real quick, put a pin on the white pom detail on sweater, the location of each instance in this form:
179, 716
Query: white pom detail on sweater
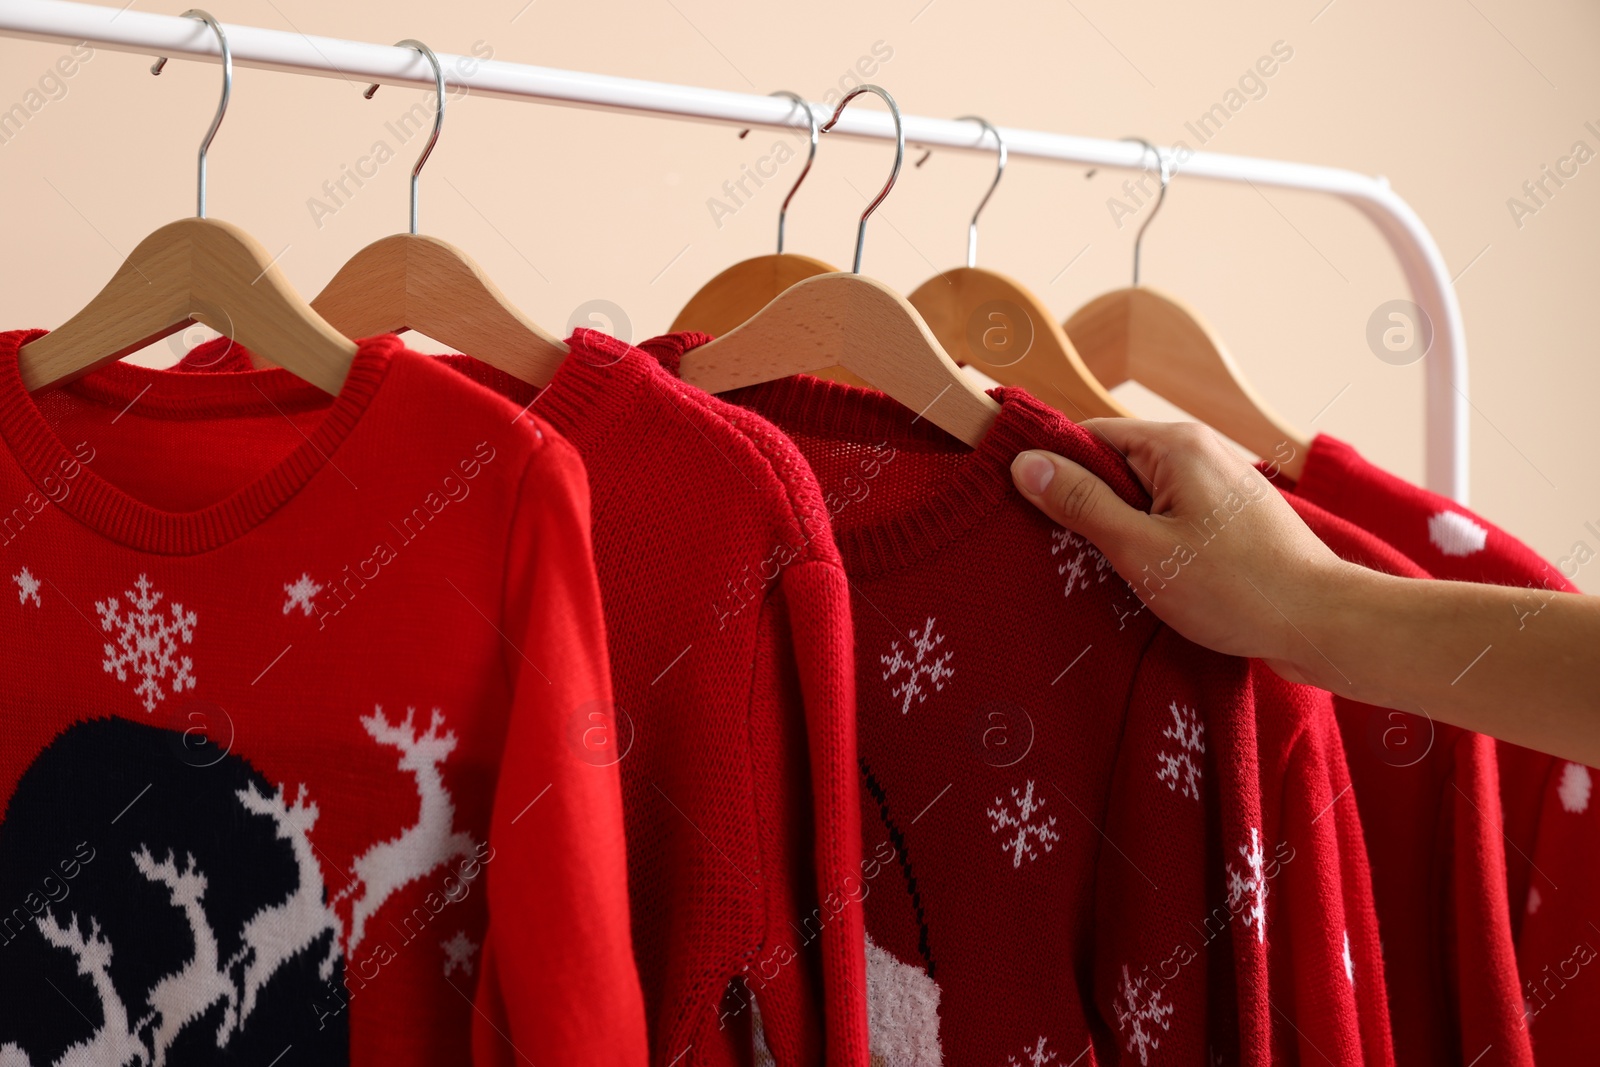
1028, 830
1575, 788
147, 642
1181, 768
1139, 1012
922, 667
1456, 535
902, 1012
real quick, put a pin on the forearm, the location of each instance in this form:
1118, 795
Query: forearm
1519, 664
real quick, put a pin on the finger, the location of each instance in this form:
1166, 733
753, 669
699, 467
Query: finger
1133, 440
1076, 499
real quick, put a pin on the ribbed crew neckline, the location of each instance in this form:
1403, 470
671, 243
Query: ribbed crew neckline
950, 507
115, 514
598, 383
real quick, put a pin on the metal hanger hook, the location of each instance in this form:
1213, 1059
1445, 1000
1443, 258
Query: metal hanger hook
1165, 172
1000, 168
438, 115
899, 156
811, 118
222, 105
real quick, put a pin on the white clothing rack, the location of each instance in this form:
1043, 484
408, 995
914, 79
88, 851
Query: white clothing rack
360, 62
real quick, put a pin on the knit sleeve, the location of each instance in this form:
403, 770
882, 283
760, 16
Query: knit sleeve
1321, 951
809, 978
1179, 879
818, 597
559, 983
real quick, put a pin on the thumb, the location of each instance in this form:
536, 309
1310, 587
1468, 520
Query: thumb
1076, 499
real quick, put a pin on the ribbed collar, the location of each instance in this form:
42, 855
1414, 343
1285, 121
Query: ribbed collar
113, 513
594, 390
948, 509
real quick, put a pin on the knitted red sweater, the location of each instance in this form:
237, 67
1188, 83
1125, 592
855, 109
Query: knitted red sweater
1428, 796
731, 666
287, 764
1551, 830
1062, 797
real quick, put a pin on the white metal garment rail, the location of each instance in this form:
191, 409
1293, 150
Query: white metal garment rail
1425, 271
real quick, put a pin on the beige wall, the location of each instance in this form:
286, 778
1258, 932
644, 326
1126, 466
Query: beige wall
1458, 102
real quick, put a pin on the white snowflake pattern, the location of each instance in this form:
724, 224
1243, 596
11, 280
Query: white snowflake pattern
147, 642
300, 594
1575, 787
27, 587
1139, 1012
458, 953
1080, 557
1190, 733
1039, 1055
920, 668
1027, 830
1250, 883
1349, 964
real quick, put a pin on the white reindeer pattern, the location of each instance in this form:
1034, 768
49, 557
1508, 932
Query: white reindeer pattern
189, 992
114, 1042
430, 842
279, 932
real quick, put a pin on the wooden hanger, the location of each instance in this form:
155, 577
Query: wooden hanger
846, 320
729, 299
992, 323
1144, 335
408, 281
194, 269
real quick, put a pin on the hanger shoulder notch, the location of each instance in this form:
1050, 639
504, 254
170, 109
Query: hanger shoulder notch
196, 269
728, 300
415, 282
859, 324
1148, 336
1000, 327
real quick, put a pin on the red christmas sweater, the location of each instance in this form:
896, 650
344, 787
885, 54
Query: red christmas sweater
1070, 854
1552, 832
287, 767
727, 613
1428, 797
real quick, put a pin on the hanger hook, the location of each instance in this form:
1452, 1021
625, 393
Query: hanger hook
222, 105
1166, 176
899, 155
438, 115
811, 117
1000, 168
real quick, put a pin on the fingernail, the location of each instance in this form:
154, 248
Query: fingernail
1032, 472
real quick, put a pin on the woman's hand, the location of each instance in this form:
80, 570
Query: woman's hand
1226, 562
1221, 557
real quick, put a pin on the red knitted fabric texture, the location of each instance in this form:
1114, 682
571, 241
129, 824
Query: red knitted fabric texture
286, 759
1428, 795
727, 614
1552, 831
1062, 799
